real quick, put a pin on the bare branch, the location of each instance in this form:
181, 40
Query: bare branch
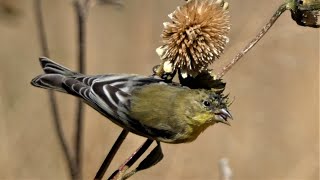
118, 174
104, 166
81, 12
52, 99
263, 31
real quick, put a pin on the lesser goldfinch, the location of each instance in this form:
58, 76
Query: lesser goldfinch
146, 106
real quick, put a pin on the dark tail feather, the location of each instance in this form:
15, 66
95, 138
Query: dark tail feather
49, 81
51, 67
54, 75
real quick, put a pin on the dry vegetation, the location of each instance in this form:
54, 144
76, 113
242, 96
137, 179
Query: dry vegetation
275, 132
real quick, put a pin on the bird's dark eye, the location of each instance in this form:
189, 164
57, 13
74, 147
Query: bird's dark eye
206, 103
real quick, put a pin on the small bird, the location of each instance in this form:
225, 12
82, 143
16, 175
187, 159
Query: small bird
146, 106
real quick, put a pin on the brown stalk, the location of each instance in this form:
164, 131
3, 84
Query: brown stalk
252, 43
131, 160
82, 10
52, 99
81, 14
104, 166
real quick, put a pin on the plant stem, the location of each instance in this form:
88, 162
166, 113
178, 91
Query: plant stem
262, 32
80, 10
52, 99
132, 159
104, 166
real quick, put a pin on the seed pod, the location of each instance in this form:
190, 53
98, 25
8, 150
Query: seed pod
195, 37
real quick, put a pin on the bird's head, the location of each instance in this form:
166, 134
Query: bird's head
209, 107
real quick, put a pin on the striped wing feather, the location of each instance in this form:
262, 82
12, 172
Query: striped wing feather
110, 95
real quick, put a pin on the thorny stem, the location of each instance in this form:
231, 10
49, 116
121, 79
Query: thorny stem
263, 31
104, 166
131, 160
81, 12
52, 99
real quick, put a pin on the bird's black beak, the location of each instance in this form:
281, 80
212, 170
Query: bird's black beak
223, 115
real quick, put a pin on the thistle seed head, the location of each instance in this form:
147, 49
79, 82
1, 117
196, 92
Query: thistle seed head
195, 37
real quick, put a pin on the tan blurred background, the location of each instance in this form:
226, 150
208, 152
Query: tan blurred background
275, 132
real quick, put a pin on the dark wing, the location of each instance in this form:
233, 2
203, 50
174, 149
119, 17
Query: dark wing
110, 95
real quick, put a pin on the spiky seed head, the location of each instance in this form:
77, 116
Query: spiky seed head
195, 37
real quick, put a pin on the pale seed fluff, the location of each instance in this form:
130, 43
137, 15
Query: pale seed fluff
195, 37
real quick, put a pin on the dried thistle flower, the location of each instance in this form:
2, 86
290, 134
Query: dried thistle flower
305, 12
195, 37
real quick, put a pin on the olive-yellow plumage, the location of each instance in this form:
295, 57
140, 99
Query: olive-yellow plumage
146, 106
174, 109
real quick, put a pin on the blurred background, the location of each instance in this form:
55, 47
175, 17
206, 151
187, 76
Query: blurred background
275, 132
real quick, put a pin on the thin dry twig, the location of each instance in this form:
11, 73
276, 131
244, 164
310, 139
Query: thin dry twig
81, 12
131, 160
52, 99
104, 166
153, 158
263, 31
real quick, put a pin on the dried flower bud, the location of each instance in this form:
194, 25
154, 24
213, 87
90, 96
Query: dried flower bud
195, 37
305, 12
204, 80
